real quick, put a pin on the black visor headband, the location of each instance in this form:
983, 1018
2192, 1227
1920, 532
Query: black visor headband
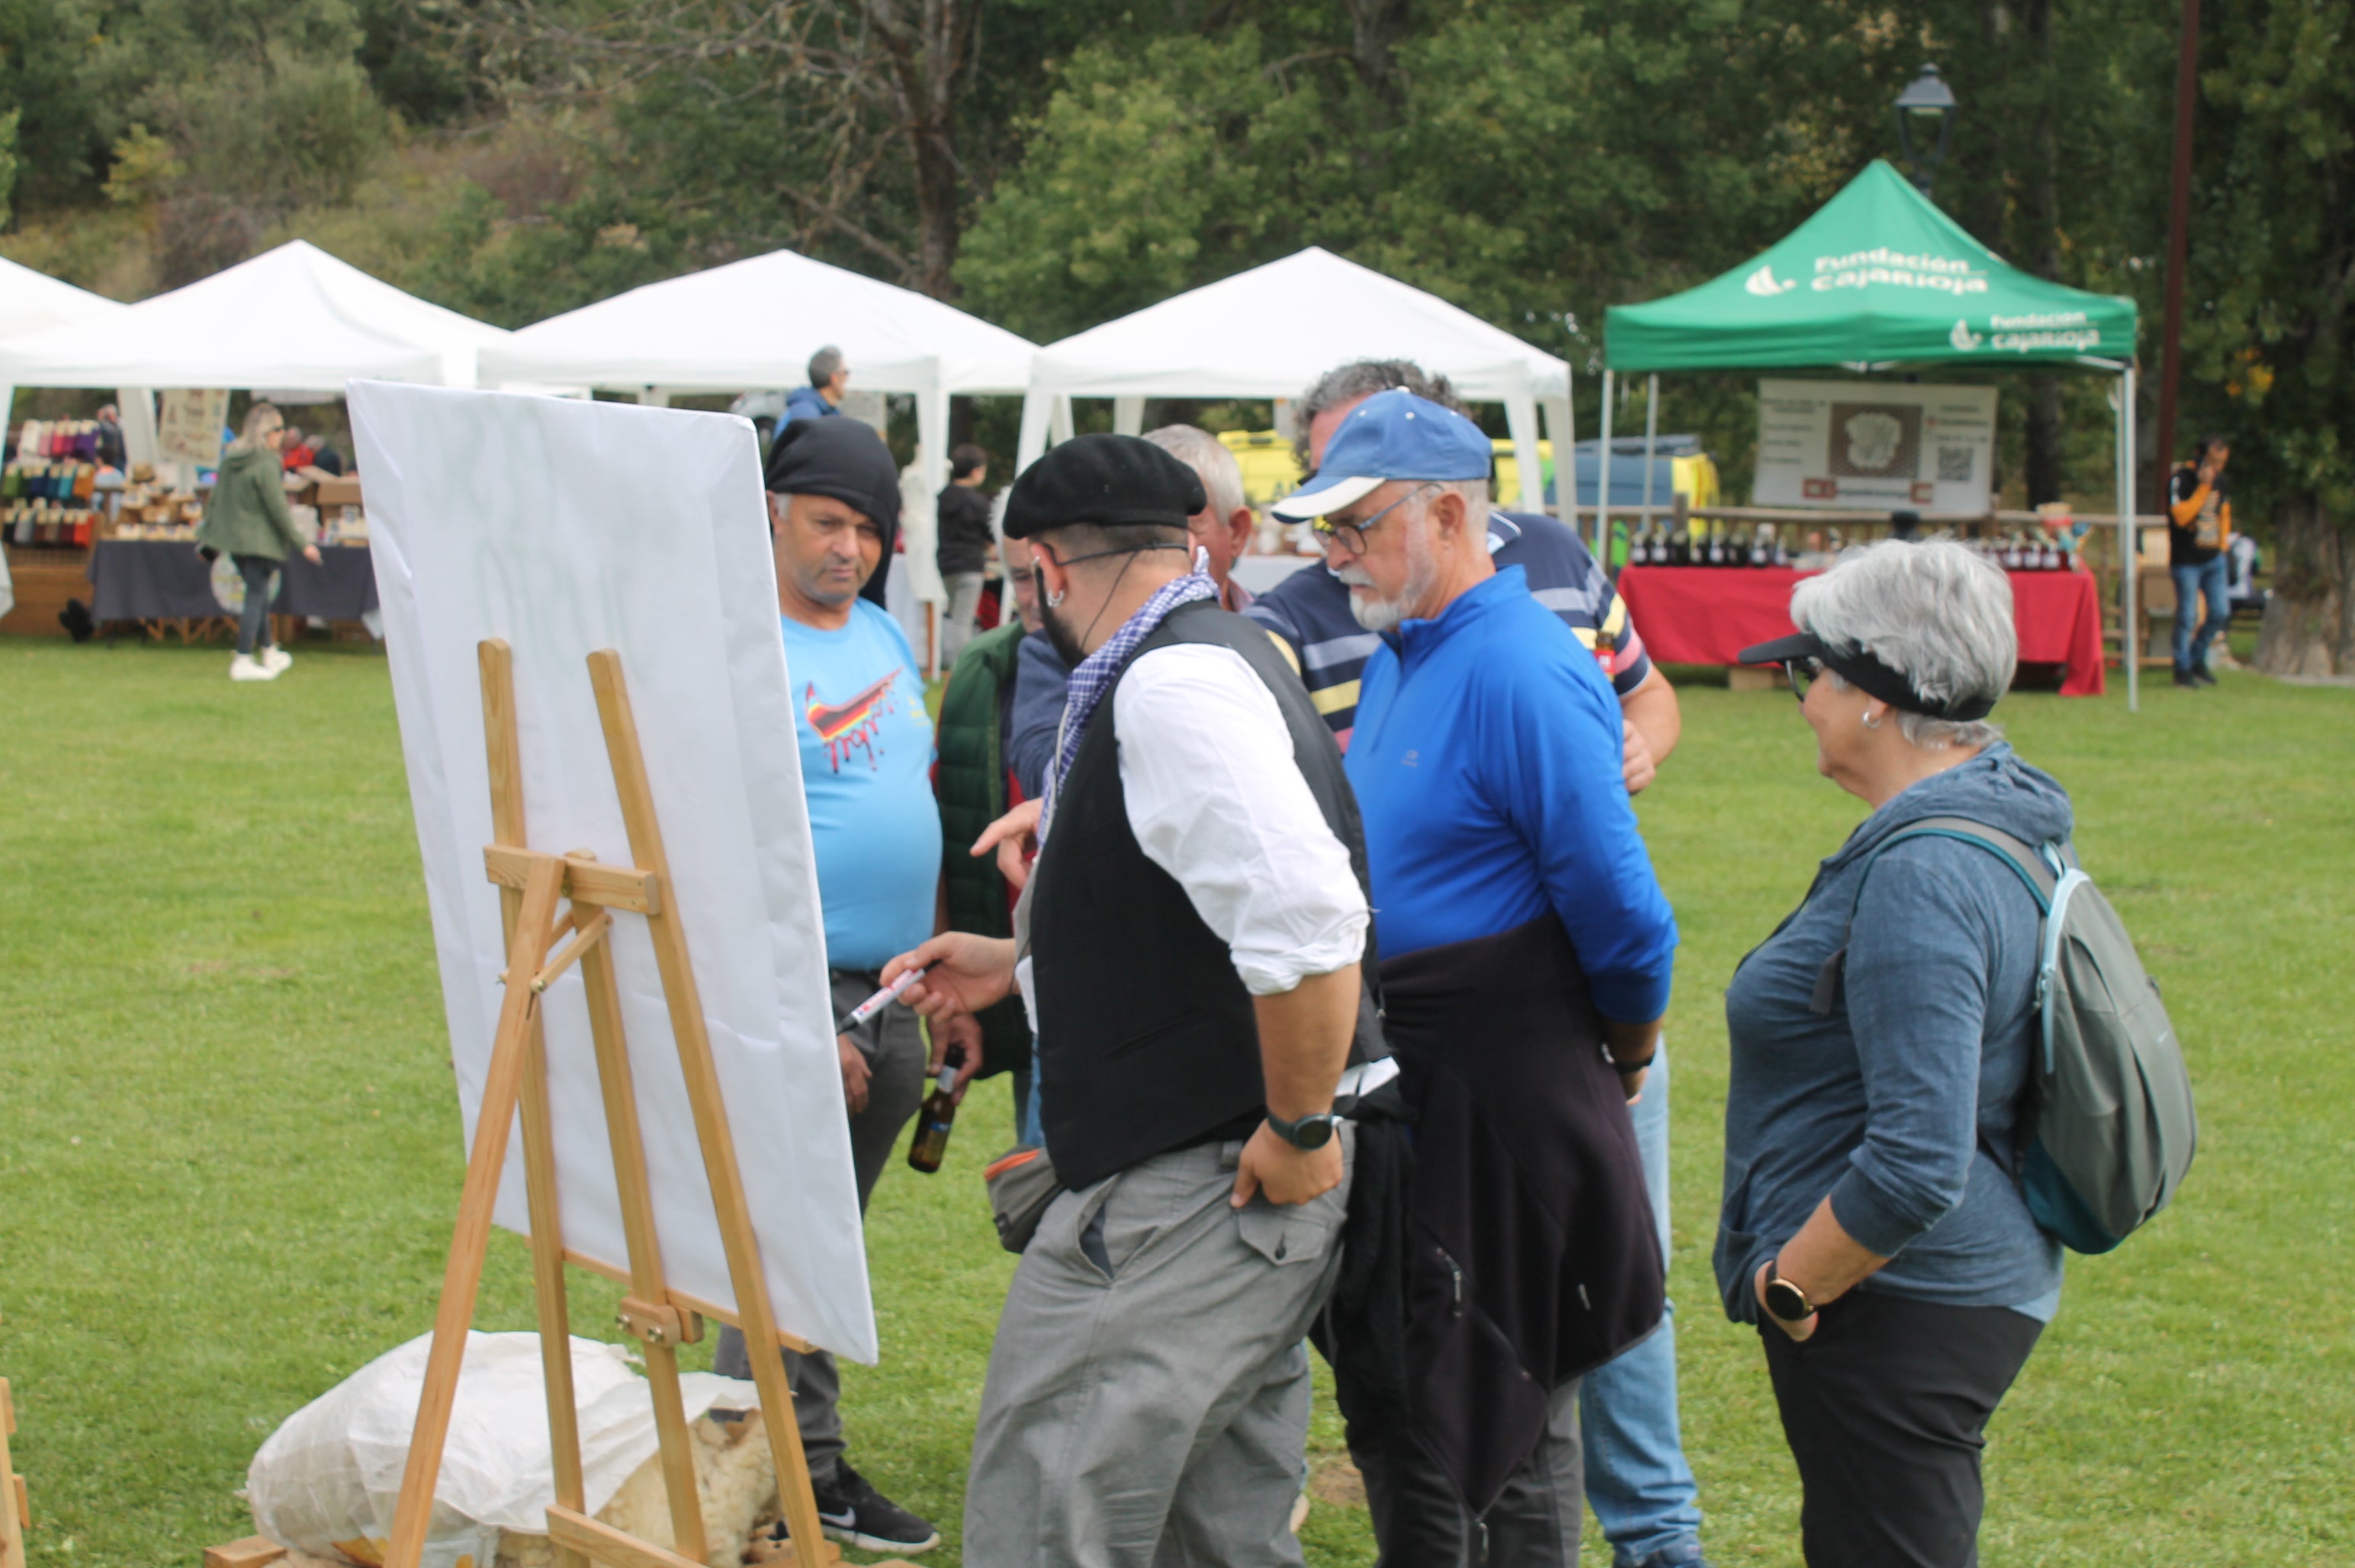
1867, 675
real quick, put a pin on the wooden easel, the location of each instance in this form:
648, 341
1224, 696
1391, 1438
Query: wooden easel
531, 883
16, 1509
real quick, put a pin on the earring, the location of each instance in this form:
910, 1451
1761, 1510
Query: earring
1870, 721
1054, 600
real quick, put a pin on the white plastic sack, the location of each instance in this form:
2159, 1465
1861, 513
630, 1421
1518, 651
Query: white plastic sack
326, 1482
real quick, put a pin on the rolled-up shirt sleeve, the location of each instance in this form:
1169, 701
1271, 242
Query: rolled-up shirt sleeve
1216, 799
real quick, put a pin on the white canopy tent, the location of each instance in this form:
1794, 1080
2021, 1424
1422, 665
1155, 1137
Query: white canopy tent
1269, 332
33, 302
754, 324
294, 318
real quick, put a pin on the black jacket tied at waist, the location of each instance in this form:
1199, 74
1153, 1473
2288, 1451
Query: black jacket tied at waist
1530, 1255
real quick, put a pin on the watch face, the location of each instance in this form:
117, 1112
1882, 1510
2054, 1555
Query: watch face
1309, 1133
1786, 1301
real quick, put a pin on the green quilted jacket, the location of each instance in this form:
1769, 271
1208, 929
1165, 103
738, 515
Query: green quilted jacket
248, 514
972, 786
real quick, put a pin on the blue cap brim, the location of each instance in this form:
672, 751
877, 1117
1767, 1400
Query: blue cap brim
1326, 493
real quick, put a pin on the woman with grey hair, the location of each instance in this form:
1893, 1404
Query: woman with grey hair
1880, 1046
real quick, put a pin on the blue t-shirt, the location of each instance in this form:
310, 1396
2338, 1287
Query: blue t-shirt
1486, 766
867, 761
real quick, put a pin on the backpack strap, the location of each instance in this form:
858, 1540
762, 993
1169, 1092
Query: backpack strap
2038, 869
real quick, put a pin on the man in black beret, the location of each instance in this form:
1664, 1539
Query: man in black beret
1190, 947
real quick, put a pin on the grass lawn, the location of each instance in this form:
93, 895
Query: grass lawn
229, 1151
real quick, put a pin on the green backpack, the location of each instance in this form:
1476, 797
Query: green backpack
2109, 1131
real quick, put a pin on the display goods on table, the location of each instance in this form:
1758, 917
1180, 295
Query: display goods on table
1695, 614
596, 713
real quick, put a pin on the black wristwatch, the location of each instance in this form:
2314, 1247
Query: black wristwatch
1308, 1132
1784, 1300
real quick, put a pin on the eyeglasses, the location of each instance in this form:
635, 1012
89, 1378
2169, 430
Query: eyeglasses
1801, 672
1352, 536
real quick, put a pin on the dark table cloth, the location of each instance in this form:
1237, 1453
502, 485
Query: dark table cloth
149, 580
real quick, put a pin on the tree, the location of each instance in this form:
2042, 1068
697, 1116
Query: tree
2269, 336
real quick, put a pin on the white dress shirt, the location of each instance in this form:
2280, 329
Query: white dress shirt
1215, 800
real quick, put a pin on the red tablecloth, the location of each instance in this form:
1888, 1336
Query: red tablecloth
1690, 615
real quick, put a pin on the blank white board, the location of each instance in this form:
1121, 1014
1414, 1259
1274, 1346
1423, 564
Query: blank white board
566, 526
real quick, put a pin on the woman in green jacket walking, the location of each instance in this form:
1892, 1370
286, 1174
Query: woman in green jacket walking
250, 521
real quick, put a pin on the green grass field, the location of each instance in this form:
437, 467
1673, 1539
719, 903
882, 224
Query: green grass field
230, 1146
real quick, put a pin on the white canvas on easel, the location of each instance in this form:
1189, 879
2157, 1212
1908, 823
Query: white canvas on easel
565, 527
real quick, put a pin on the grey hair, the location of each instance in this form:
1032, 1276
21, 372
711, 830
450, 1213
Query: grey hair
1362, 379
1932, 610
1476, 505
824, 364
1213, 464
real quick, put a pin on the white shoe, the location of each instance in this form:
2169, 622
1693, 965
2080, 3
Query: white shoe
276, 659
245, 667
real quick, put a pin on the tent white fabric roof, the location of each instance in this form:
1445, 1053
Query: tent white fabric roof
295, 317
754, 324
31, 301
1269, 332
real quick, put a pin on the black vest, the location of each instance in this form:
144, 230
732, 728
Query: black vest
1147, 1041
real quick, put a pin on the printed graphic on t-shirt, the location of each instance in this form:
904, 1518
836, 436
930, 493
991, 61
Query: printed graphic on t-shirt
2209, 531
844, 726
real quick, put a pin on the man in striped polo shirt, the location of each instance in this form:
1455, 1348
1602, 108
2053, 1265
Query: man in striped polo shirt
1309, 610
1637, 1481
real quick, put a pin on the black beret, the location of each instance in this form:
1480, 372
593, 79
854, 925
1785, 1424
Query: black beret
1109, 480
839, 458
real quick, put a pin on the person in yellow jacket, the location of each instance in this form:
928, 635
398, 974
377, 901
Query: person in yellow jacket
2199, 527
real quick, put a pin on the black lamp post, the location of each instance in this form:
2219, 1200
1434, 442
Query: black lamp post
1926, 123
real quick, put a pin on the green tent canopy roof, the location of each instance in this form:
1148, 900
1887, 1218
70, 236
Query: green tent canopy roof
1878, 276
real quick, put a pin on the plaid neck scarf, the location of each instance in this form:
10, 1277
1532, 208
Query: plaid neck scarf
1099, 670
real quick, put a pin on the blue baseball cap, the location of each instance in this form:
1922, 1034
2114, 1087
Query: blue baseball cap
1390, 435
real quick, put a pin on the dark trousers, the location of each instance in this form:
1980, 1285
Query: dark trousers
1421, 1522
253, 621
1886, 1408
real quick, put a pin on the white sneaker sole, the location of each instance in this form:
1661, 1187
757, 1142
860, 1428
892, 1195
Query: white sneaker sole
257, 673
876, 1544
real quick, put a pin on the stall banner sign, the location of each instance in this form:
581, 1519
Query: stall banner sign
189, 428
1875, 446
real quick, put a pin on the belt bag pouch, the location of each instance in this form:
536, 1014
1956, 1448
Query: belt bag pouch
1022, 1182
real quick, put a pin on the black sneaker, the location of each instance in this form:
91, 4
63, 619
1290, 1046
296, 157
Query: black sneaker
2183, 678
858, 1515
2200, 673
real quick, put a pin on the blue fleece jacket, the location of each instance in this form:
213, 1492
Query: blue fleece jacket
1903, 1104
807, 403
1486, 765
1041, 683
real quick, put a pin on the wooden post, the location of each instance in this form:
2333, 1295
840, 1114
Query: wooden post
15, 1509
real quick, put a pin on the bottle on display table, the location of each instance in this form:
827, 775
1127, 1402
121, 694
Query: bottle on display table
1713, 551
935, 1117
1761, 545
1681, 548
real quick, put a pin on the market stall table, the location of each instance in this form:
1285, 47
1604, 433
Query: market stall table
1698, 614
166, 579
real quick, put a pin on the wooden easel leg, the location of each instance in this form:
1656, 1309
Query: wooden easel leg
756, 1314
646, 1286
504, 751
547, 1289
11, 1490
502, 1089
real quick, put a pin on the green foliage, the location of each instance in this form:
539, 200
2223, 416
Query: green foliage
145, 168
232, 1155
1150, 171
46, 48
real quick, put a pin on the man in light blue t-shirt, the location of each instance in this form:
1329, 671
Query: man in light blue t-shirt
866, 759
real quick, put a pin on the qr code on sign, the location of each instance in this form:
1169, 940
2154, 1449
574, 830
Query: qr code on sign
1954, 466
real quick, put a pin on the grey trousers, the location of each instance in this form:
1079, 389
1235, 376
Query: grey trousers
1148, 1400
893, 1043
964, 601
1419, 1522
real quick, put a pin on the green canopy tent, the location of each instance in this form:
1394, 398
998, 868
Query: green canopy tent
1879, 279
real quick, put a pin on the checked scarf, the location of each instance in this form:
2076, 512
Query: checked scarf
1101, 668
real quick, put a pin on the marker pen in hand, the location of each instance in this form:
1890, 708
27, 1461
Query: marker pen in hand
877, 1002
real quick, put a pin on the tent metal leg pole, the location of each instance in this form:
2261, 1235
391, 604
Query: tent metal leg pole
2130, 539
1651, 437
1602, 473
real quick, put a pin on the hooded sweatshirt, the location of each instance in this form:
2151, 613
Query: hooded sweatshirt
248, 514
1902, 1103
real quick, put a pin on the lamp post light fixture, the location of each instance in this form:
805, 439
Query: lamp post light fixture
1926, 123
